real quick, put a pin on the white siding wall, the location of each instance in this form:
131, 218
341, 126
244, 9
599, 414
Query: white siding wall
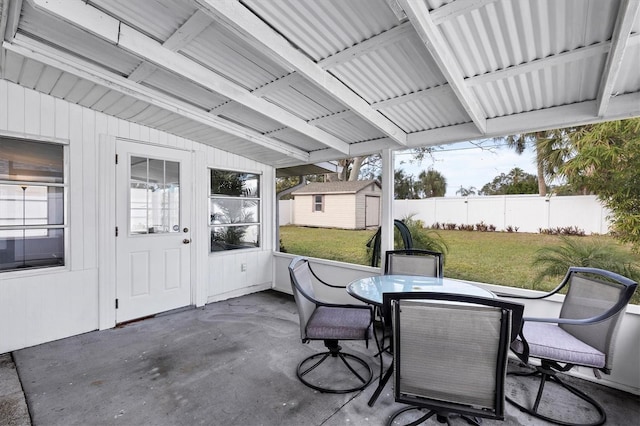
37, 306
339, 211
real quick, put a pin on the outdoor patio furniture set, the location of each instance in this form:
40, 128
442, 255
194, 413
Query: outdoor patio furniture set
450, 340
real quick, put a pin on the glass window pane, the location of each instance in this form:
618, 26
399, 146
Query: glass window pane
31, 205
30, 161
154, 196
232, 210
235, 184
33, 248
234, 237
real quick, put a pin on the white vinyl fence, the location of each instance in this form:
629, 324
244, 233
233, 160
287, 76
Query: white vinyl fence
527, 213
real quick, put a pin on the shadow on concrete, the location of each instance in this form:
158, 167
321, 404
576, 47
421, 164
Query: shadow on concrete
229, 363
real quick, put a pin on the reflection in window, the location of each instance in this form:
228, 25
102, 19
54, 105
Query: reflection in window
234, 207
32, 192
154, 196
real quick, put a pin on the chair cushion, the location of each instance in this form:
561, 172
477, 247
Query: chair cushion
548, 341
339, 323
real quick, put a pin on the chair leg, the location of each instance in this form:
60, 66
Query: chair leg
310, 363
398, 413
548, 375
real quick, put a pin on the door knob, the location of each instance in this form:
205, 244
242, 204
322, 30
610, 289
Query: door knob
186, 241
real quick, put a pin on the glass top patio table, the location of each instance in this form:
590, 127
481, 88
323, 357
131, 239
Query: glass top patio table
370, 289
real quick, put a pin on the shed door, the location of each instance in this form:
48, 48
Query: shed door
372, 211
153, 199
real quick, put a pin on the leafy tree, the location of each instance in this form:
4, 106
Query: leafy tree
431, 184
403, 186
516, 182
607, 162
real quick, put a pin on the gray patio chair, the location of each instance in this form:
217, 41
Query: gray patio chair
425, 263
331, 323
584, 334
419, 262
450, 355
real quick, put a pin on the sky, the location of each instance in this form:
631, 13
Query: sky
465, 164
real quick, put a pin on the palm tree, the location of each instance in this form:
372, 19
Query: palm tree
552, 149
431, 184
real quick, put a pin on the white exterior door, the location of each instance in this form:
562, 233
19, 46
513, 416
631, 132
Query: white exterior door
372, 211
153, 202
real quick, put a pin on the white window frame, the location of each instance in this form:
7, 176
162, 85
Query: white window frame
259, 200
65, 200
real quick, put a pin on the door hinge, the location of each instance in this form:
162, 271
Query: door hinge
116, 231
116, 303
116, 158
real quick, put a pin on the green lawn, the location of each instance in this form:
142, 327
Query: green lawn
492, 257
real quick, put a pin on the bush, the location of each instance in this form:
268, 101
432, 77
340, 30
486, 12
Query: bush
592, 253
423, 238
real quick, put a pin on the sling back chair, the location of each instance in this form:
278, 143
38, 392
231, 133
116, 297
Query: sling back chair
450, 355
583, 334
331, 323
420, 262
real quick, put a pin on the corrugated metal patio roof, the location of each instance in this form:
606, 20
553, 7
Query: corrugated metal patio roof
293, 82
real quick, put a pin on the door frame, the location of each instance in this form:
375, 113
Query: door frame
106, 202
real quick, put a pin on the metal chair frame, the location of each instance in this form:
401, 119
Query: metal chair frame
334, 350
549, 368
509, 328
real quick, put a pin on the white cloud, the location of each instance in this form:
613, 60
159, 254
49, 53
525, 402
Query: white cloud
465, 165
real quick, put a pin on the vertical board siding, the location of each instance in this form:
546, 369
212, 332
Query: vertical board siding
38, 306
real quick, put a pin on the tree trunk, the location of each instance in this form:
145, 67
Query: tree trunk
355, 168
542, 185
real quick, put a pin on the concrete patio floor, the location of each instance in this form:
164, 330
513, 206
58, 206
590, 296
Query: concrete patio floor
228, 363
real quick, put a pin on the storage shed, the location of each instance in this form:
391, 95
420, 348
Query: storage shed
347, 205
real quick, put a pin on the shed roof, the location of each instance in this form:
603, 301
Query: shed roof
340, 187
288, 83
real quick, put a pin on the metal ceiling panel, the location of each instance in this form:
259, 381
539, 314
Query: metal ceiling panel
183, 89
217, 50
247, 118
296, 139
427, 112
322, 28
393, 70
351, 128
508, 33
158, 19
629, 76
304, 99
67, 38
562, 84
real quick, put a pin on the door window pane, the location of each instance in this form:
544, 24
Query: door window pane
154, 196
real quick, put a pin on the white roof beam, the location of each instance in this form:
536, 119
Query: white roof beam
82, 69
272, 44
92, 20
456, 8
183, 35
277, 84
538, 64
620, 108
621, 33
369, 45
434, 41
